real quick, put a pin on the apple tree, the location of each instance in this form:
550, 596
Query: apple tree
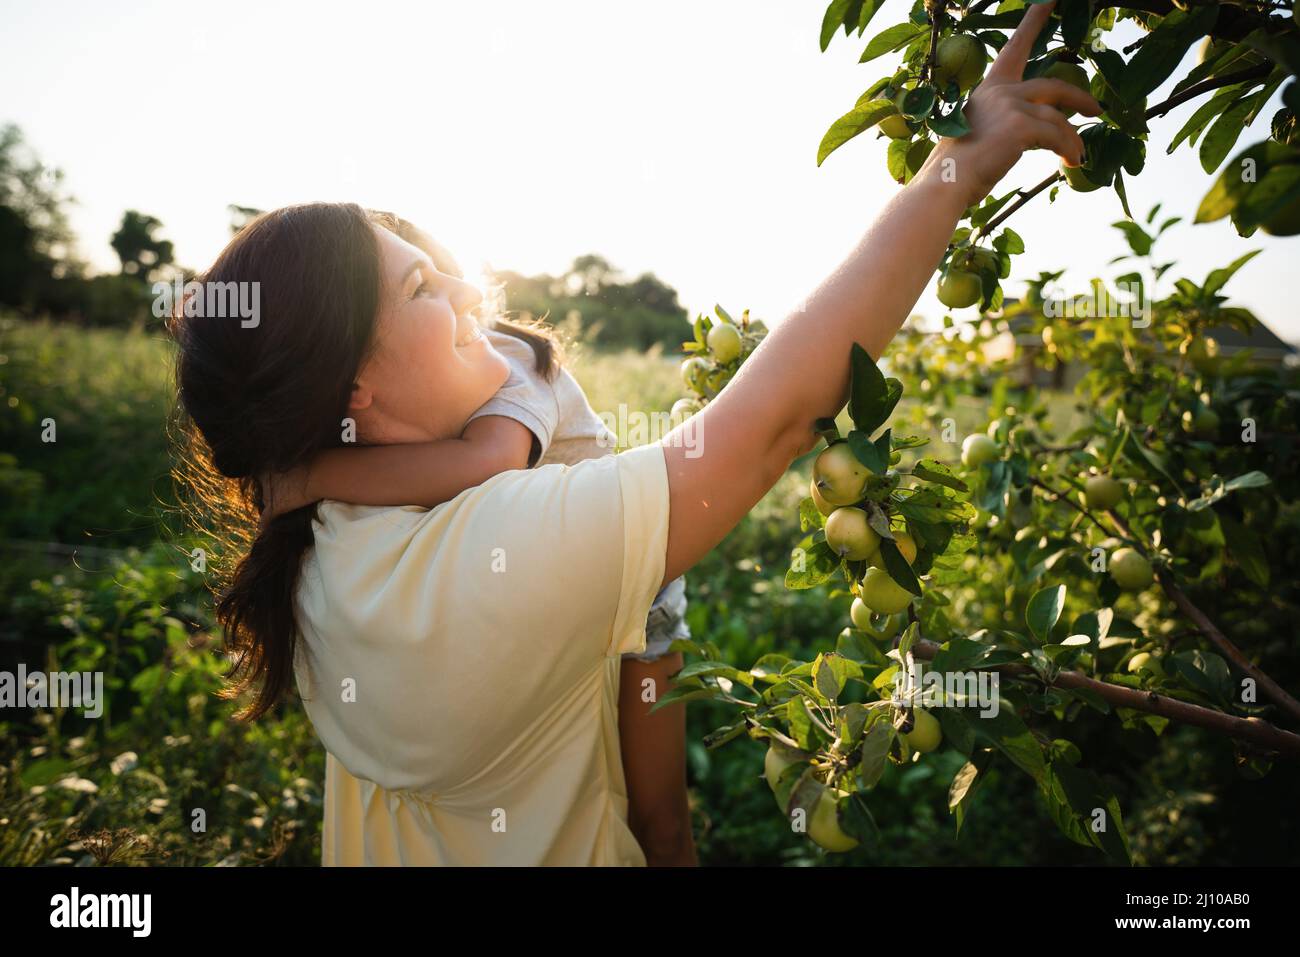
1018, 564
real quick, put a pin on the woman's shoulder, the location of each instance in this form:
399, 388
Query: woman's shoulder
531, 514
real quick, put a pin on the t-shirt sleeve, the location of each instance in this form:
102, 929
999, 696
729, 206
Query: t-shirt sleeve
643, 480
527, 397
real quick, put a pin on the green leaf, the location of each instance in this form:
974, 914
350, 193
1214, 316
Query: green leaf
1249, 480
1223, 135
872, 397
957, 729
932, 470
1273, 184
1218, 278
853, 123
833, 20
1010, 735
934, 506
954, 124
1139, 240
856, 821
1084, 795
897, 567
1204, 115
1246, 550
962, 783
891, 39
1044, 611
1162, 50
820, 565
868, 453
875, 752
809, 516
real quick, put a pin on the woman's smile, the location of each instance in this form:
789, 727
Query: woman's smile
471, 337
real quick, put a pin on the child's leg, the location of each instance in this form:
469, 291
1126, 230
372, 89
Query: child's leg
654, 762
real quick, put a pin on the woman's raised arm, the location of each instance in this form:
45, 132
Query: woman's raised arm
763, 420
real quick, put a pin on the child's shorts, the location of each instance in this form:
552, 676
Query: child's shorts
666, 621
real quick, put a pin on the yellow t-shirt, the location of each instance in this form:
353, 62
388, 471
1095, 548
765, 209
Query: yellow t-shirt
461, 665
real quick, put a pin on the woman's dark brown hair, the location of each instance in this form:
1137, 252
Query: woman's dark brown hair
265, 397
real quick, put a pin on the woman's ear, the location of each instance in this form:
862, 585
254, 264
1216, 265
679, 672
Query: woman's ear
361, 397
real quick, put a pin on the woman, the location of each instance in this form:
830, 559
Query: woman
461, 663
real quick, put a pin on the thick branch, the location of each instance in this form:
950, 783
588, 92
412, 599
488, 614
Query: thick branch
1252, 730
1275, 692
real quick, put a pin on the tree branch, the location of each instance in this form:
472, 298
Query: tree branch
1213, 83
1253, 730
1275, 692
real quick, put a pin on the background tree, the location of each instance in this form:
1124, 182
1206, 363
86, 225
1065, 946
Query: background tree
141, 252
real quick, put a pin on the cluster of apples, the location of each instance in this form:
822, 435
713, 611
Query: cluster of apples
839, 483
823, 824
1128, 567
726, 344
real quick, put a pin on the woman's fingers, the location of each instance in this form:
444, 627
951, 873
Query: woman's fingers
1058, 93
1073, 151
1009, 65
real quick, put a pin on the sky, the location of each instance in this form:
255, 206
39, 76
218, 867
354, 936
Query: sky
678, 138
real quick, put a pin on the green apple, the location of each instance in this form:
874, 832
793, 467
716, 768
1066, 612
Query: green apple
824, 823
1130, 570
823, 506
1080, 183
895, 124
683, 409
849, 535
979, 449
861, 616
882, 594
839, 476
959, 57
776, 761
926, 734
1072, 74
889, 627
1102, 492
959, 288
695, 373
724, 341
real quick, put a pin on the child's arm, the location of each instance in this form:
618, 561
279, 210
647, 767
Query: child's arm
424, 473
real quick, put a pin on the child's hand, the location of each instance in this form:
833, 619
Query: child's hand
1009, 115
283, 492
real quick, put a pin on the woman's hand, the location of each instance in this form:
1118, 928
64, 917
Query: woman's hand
1008, 115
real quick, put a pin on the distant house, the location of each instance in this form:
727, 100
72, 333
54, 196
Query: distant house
1025, 346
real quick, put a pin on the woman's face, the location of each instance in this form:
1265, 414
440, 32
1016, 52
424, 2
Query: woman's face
431, 367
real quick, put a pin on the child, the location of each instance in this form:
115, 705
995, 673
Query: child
541, 409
